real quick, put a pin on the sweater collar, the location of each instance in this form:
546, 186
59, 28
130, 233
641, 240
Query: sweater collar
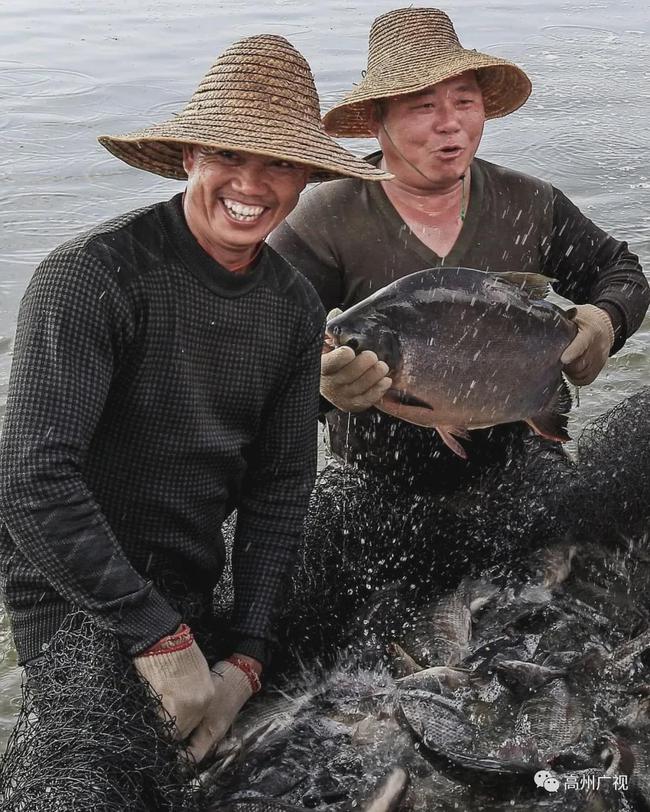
467, 233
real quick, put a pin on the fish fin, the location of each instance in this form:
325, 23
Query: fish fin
405, 399
552, 421
398, 403
448, 435
535, 285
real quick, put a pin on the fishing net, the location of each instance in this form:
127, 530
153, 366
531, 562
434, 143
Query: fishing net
612, 497
88, 736
375, 549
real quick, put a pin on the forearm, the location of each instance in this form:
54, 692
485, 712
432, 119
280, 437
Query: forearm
592, 267
273, 505
59, 528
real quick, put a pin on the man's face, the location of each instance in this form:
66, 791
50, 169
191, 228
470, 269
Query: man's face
437, 130
233, 200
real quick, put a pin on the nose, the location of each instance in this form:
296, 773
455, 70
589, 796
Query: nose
249, 180
447, 118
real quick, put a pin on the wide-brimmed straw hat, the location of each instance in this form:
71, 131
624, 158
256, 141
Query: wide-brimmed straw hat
411, 49
259, 97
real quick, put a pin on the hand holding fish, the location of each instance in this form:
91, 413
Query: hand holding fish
587, 354
458, 344
353, 383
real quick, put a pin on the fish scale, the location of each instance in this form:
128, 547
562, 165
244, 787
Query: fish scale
552, 717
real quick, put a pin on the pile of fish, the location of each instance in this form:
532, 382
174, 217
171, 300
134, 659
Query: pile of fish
511, 692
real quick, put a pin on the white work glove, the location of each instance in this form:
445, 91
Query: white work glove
232, 688
182, 680
352, 383
587, 354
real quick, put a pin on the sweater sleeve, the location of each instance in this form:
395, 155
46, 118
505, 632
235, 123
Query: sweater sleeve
308, 253
592, 267
275, 495
74, 324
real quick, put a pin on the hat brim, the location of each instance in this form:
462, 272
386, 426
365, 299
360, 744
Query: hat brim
504, 85
159, 149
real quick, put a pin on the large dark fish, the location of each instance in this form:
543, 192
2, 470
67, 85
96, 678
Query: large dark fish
466, 349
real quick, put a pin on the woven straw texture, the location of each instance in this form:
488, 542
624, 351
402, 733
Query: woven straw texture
411, 49
258, 97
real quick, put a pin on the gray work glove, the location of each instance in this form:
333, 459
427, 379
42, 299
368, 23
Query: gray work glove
232, 688
352, 383
183, 681
587, 354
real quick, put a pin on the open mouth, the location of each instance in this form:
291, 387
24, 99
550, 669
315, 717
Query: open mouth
450, 151
242, 212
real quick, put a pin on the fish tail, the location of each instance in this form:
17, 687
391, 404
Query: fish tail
553, 420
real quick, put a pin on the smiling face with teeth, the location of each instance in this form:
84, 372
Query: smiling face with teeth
234, 199
437, 130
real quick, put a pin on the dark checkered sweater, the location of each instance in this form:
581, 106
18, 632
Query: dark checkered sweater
151, 392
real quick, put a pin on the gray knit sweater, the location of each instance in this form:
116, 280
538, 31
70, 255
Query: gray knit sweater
152, 391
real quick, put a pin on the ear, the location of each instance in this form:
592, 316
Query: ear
374, 116
189, 158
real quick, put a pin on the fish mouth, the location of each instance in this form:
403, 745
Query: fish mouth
335, 337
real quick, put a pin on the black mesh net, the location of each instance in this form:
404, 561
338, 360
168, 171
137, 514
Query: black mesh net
89, 736
612, 497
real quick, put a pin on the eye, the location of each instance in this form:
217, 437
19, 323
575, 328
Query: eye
223, 156
284, 166
227, 155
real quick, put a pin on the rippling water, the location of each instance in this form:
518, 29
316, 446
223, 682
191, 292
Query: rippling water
70, 71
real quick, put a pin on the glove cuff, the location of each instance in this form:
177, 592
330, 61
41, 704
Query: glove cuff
603, 320
181, 639
238, 681
171, 663
247, 668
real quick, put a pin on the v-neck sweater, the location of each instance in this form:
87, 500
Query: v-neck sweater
350, 241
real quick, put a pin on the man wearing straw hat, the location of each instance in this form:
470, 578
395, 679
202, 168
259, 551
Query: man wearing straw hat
425, 98
165, 372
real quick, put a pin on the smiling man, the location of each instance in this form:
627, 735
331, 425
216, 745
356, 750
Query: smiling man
425, 98
165, 372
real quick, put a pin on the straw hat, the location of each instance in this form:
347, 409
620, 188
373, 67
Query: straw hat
411, 49
259, 97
